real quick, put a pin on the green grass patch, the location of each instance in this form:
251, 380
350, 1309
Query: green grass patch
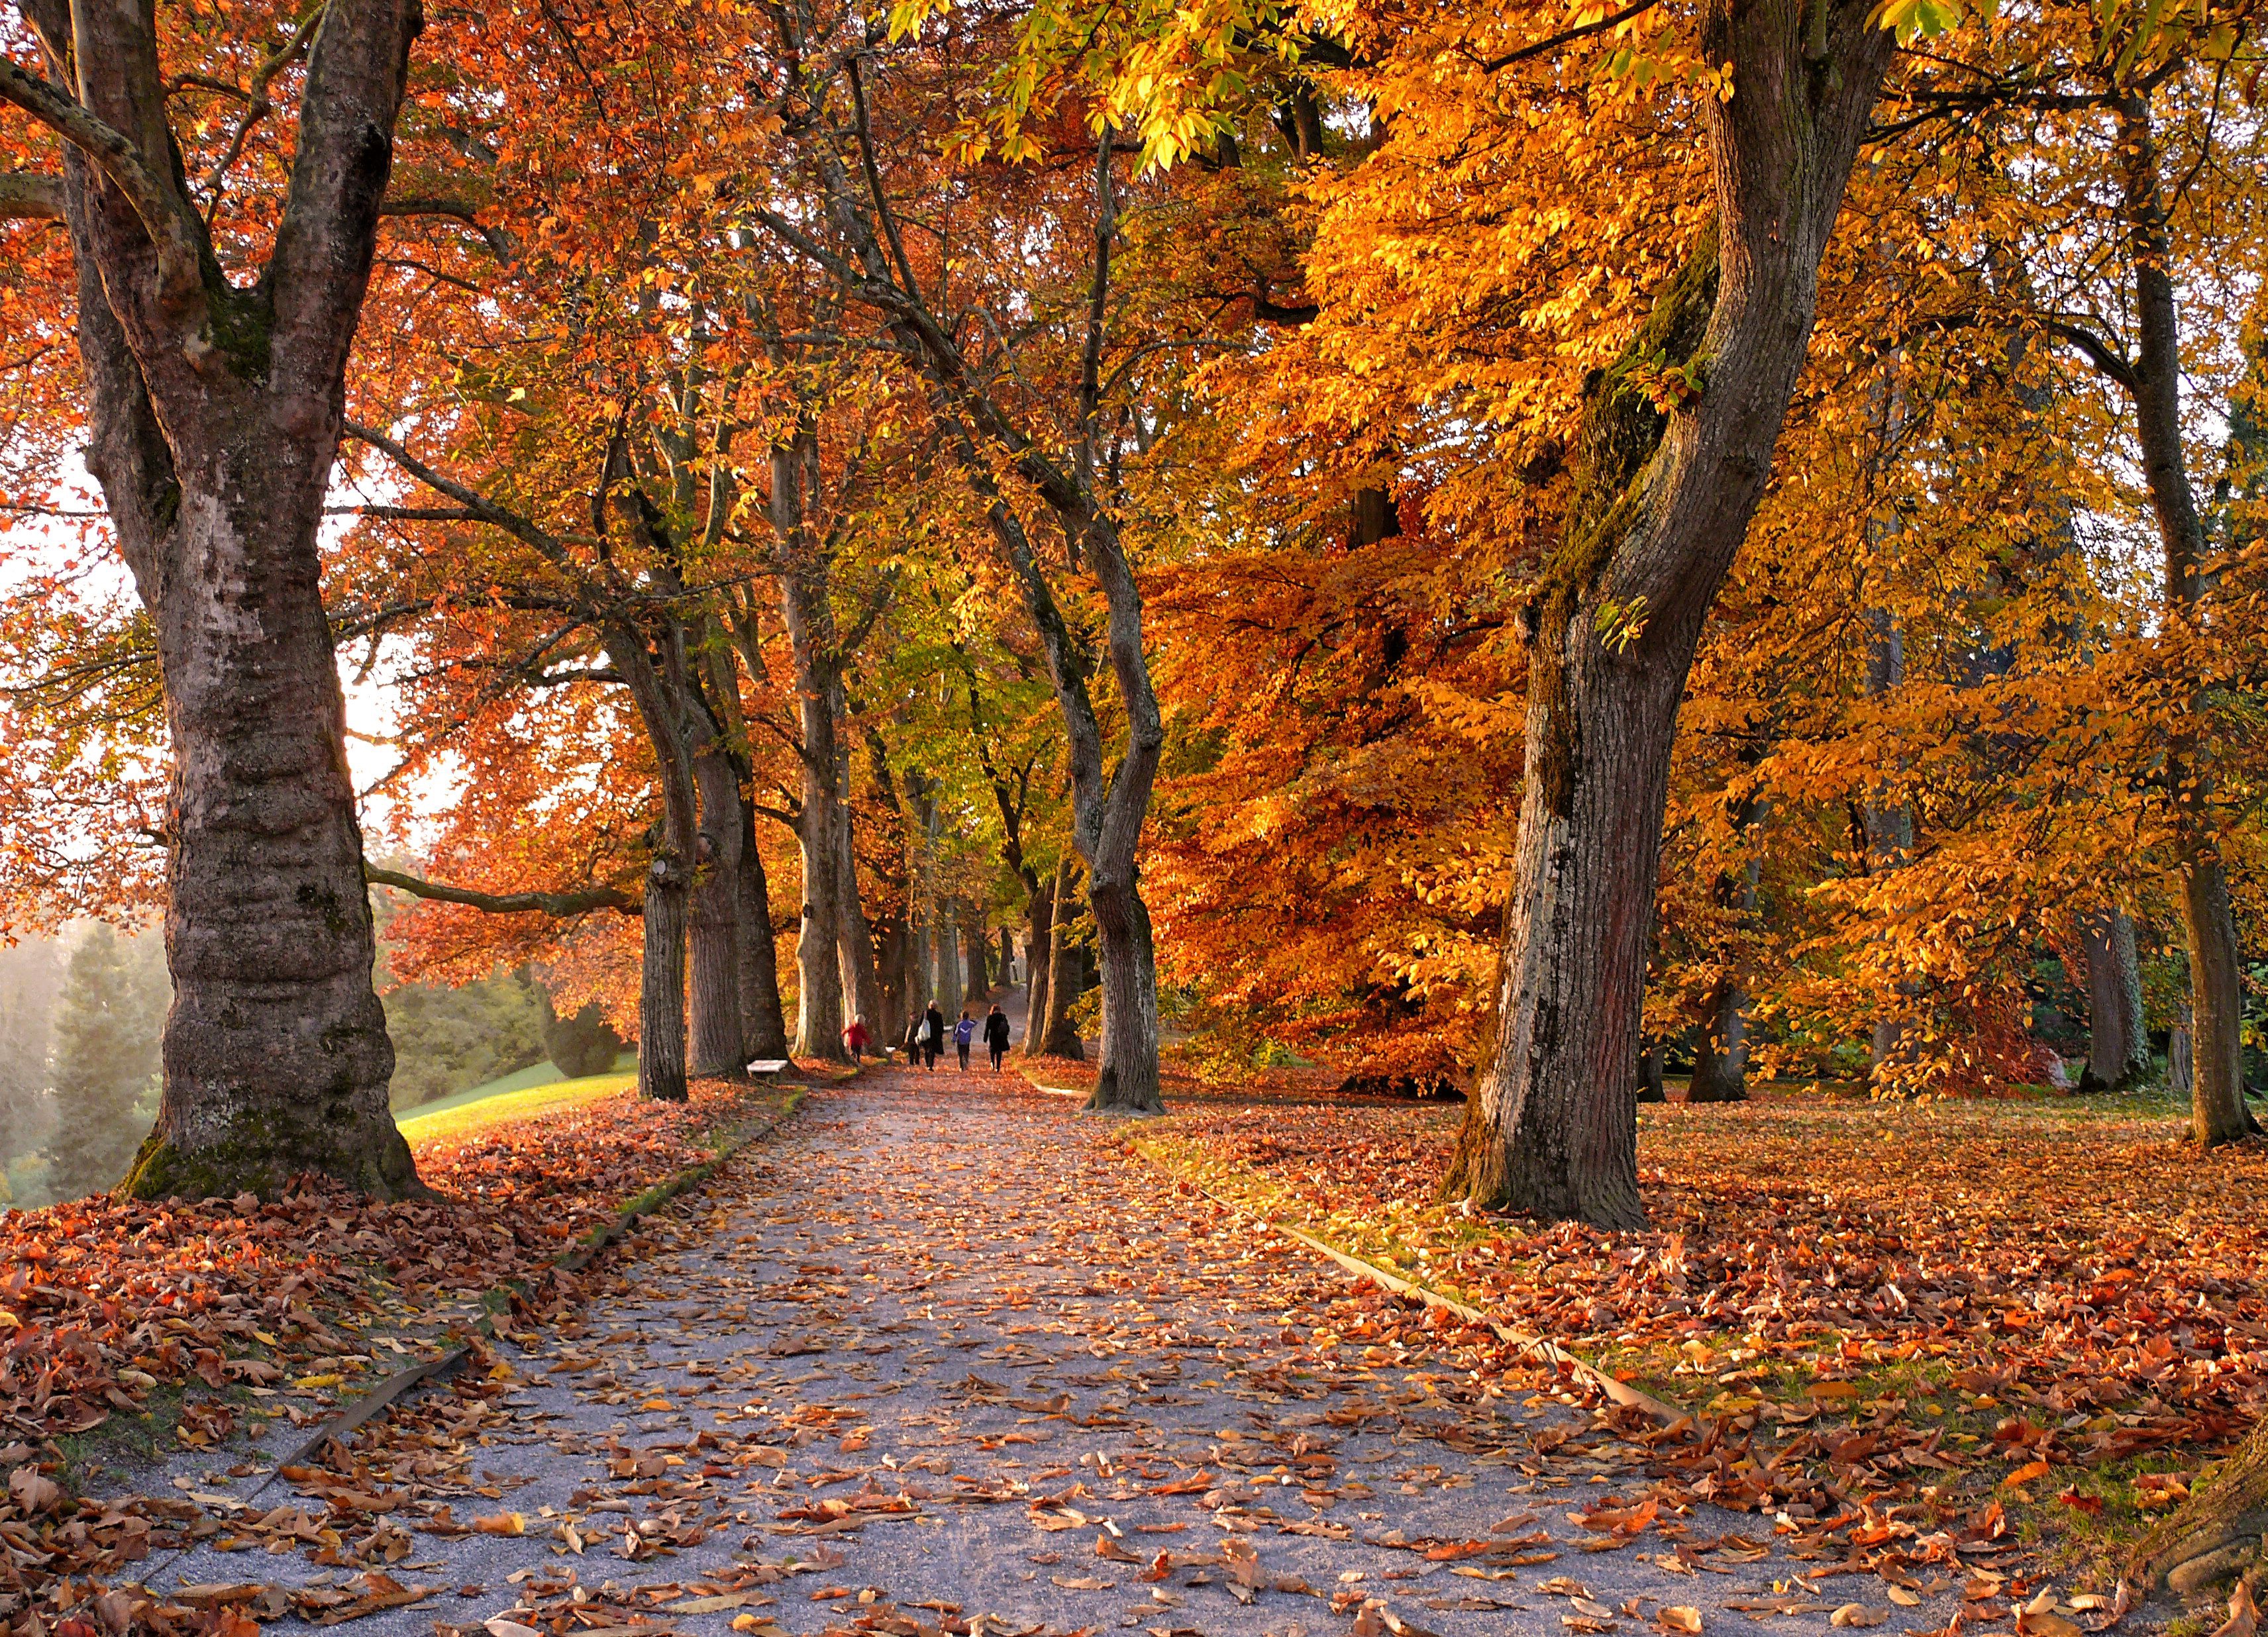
452, 1120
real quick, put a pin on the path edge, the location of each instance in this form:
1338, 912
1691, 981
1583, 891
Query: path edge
1670, 1415
351, 1418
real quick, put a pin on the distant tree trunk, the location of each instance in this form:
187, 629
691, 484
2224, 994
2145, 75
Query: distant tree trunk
1650, 1088
895, 930
1058, 1035
1038, 941
1661, 504
661, 979
976, 950
1038, 1015
2181, 1060
862, 980
944, 949
1720, 1045
810, 620
719, 1048
763, 1027
214, 412
2118, 1041
2217, 1110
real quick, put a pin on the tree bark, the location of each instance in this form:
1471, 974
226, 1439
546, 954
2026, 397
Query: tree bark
661, 981
1720, 1046
975, 957
944, 950
861, 979
763, 1028
810, 622
1039, 940
1057, 1035
719, 1045
1661, 503
2118, 1040
2217, 1110
214, 416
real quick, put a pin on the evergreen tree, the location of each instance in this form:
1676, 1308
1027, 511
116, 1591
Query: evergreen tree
106, 1066
30, 974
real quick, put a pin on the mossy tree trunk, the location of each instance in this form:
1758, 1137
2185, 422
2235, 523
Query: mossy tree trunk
214, 413
1676, 444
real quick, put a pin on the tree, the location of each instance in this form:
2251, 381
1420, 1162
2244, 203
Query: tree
1664, 482
214, 405
106, 1066
582, 1042
862, 248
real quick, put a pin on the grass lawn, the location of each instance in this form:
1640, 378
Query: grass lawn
501, 1102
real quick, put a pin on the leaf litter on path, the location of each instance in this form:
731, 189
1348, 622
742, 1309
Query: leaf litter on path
916, 1369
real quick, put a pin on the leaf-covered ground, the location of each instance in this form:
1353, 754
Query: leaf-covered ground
947, 1359
129, 1328
2059, 1302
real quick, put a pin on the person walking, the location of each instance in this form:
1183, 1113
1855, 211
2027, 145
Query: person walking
856, 1040
933, 1037
964, 1034
996, 1035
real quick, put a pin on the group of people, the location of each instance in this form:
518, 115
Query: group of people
925, 1036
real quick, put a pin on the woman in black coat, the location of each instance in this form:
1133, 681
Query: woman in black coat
996, 1037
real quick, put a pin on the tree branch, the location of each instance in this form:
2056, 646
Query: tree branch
498, 241
31, 196
562, 906
179, 266
1569, 37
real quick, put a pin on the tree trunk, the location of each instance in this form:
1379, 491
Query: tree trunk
861, 979
1661, 504
661, 981
1650, 1089
719, 1045
2217, 1110
944, 949
2118, 1041
975, 951
214, 415
2181, 1061
1058, 1035
2216, 1533
810, 622
1039, 940
763, 1027
1720, 1046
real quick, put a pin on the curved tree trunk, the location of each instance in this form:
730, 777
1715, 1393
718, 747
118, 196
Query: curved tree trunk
2117, 1037
214, 415
1661, 504
763, 1028
719, 1048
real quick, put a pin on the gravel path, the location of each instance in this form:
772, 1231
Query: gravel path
942, 1358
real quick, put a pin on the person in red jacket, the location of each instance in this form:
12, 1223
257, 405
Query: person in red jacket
855, 1040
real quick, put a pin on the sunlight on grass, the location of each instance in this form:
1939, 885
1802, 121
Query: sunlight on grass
455, 1124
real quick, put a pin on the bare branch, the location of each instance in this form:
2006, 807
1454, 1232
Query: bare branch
563, 905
